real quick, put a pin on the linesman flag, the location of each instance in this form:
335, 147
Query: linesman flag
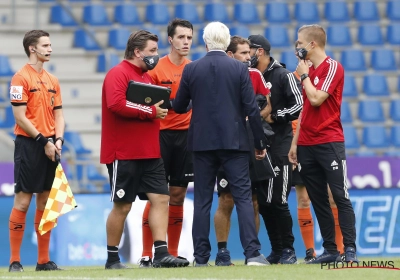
60, 201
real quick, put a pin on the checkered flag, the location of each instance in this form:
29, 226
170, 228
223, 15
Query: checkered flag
60, 201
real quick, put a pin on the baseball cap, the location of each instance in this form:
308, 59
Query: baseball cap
259, 41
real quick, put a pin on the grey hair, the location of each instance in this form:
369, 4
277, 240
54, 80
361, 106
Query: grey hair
216, 36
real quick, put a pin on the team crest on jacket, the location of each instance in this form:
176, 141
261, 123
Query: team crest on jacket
269, 85
316, 80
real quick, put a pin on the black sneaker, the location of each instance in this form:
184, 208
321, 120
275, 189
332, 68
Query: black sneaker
341, 258
115, 265
325, 257
145, 262
223, 258
273, 258
350, 255
288, 257
170, 261
15, 267
47, 266
309, 255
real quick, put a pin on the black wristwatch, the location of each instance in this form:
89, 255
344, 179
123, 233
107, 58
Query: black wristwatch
304, 76
62, 140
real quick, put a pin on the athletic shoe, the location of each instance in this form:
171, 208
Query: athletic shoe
195, 264
47, 266
341, 258
145, 262
223, 258
350, 255
325, 257
273, 258
116, 265
288, 257
170, 261
15, 267
257, 261
309, 255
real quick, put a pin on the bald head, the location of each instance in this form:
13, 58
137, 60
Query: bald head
313, 32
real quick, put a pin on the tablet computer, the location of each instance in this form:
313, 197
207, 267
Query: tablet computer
148, 94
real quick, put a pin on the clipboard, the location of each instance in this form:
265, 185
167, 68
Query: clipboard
148, 94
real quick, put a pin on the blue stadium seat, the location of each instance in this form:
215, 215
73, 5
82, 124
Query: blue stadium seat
106, 61
393, 34
353, 60
277, 12
246, 12
197, 55
370, 111
278, 36
345, 112
375, 136
187, 11
395, 110
95, 15
350, 137
306, 12
330, 54
339, 35
5, 66
216, 12
73, 139
84, 40
240, 30
392, 153
383, 60
92, 174
366, 10
126, 14
336, 11
117, 38
393, 10
157, 13
161, 40
370, 34
289, 59
8, 120
375, 85
395, 135
366, 153
350, 87
59, 14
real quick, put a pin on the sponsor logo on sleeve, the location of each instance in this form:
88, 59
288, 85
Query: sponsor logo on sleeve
16, 92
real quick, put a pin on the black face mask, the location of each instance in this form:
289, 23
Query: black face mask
302, 52
253, 61
151, 61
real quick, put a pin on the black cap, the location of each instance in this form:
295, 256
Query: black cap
259, 41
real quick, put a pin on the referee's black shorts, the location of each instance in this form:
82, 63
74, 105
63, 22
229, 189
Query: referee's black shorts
33, 171
131, 178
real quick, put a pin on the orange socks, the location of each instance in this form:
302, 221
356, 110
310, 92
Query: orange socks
338, 231
306, 224
174, 228
147, 237
42, 240
17, 227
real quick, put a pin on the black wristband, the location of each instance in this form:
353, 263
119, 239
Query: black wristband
304, 76
61, 139
41, 139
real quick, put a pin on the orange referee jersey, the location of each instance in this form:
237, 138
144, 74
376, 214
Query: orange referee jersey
40, 93
167, 74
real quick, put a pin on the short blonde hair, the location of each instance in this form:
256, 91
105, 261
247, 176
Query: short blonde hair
314, 32
216, 36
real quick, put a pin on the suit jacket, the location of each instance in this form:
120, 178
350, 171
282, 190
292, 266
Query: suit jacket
222, 96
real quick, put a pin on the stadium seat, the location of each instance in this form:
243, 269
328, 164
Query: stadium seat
383, 60
330, 54
126, 14
306, 12
95, 15
240, 30
339, 35
345, 112
375, 136
246, 12
157, 13
393, 34
73, 140
395, 135
392, 153
370, 111
395, 110
83, 40
365, 153
336, 11
350, 137
92, 174
393, 10
350, 87
5, 66
366, 11
8, 120
216, 12
370, 34
375, 85
197, 55
277, 12
106, 61
353, 60
187, 11
289, 59
278, 36
117, 38
60, 15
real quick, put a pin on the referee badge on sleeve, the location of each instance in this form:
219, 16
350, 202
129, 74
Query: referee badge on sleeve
16, 92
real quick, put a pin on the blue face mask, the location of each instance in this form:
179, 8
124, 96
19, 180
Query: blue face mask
150, 61
302, 52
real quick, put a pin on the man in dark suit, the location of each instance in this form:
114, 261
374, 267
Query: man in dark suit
222, 96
